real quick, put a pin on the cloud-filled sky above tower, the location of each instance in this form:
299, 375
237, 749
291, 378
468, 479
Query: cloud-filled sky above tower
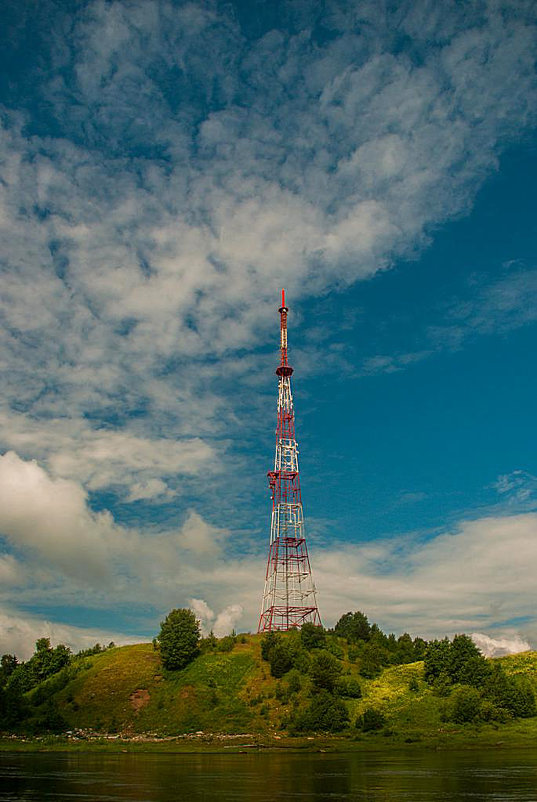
166, 167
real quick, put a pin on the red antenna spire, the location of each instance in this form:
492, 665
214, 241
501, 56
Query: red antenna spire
289, 598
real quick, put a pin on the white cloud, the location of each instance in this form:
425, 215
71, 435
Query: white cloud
498, 647
67, 553
227, 619
476, 577
49, 517
18, 634
203, 613
221, 624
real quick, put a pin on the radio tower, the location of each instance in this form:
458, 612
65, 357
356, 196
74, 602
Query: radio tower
289, 597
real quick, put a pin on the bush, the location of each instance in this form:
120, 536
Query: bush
465, 705
354, 627
280, 659
349, 688
325, 713
370, 720
226, 643
312, 636
325, 670
179, 639
513, 694
293, 682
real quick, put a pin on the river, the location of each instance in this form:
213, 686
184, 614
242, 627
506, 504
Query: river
509, 776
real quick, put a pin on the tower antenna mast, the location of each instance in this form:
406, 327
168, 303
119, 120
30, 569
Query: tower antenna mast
289, 598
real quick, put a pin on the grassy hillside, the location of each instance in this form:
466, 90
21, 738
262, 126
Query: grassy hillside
126, 690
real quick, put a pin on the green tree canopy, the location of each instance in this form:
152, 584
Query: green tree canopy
312, 636
325, 670
179, 639
325, 713
353, 626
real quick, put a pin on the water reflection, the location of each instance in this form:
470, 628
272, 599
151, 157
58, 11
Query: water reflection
382, 777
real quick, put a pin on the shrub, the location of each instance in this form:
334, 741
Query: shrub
465, 705
280, 659
370, 720
325, 713
226, 643
354, 627
312, 636
325, 670
293, 682
350, 688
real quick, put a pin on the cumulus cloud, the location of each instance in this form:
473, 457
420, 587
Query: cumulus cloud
18, 634
498, 647
222, 623
227, 619
50, 518
64, 551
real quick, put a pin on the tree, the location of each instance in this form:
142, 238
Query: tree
280, 659
8, 665
372, 660
269, 640
353, 626
325, 670
437, 659
312, 636
325, 713
513, 694
404, 652
465, 705
370, 720
179, 639
462, 651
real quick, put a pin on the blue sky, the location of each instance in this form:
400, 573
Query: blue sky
166, 168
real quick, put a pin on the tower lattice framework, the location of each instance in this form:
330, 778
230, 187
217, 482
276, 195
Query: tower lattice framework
289, 598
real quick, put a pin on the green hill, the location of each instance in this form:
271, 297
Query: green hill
126, 690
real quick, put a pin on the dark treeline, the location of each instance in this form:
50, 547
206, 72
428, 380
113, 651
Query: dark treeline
29, 686
475, 688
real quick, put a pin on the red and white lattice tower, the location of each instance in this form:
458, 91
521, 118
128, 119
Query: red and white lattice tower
289, 598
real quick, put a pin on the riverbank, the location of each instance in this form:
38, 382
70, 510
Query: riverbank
515, 735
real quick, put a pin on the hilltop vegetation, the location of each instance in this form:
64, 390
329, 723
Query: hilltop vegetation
354, 680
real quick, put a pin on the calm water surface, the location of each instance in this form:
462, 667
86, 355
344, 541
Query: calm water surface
492, 775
